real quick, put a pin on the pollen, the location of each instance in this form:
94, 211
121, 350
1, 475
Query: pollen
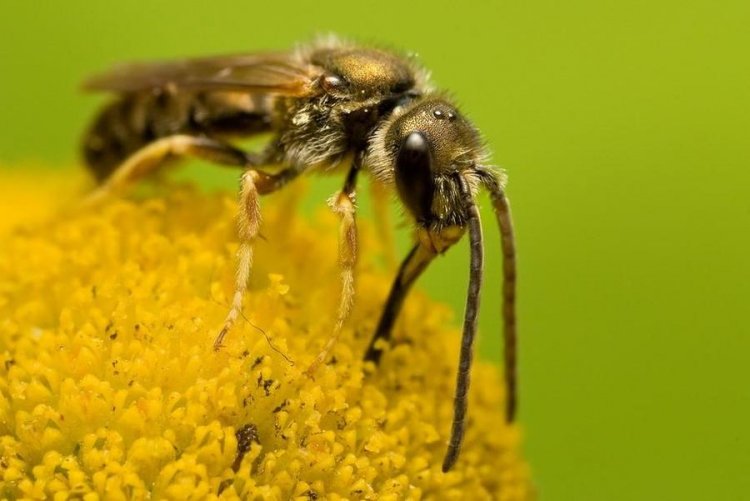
110, 387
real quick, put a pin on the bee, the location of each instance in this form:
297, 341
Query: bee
328, 103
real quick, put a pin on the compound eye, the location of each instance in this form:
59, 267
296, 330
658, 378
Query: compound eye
333, 83
413, 173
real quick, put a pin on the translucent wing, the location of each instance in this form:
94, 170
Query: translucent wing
277, 73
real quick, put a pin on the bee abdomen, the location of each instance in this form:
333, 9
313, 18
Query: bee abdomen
114, 135
133, 121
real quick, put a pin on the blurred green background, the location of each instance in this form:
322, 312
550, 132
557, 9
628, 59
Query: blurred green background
625, 128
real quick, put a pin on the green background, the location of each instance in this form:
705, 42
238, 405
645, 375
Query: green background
625, 130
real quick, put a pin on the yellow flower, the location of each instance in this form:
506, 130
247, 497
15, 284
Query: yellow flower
109, 387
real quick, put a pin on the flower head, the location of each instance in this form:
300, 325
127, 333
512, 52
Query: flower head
109, 386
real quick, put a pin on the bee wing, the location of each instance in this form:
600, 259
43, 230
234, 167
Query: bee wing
277, 73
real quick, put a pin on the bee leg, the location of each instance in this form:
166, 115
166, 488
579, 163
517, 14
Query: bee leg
343, 205
380, 207
154, 155
253, 184
411, 268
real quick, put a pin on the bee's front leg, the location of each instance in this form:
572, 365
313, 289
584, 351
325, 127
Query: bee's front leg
411, 268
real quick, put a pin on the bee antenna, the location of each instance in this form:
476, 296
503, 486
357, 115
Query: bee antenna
476, 269
501, 206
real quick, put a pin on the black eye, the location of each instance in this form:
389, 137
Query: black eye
414, 180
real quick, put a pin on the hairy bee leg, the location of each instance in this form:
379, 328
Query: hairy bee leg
151, 157
248, 221
411, 268
471, 319
380, 206
253, 184
343, 204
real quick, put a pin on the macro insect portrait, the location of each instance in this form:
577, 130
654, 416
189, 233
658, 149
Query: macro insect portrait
326, 105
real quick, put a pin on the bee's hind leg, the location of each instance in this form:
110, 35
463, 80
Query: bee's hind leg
154, 155
343, 204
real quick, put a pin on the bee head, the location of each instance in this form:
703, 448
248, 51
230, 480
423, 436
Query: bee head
422, 150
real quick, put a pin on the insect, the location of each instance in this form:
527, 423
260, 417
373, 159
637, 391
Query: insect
329, 103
